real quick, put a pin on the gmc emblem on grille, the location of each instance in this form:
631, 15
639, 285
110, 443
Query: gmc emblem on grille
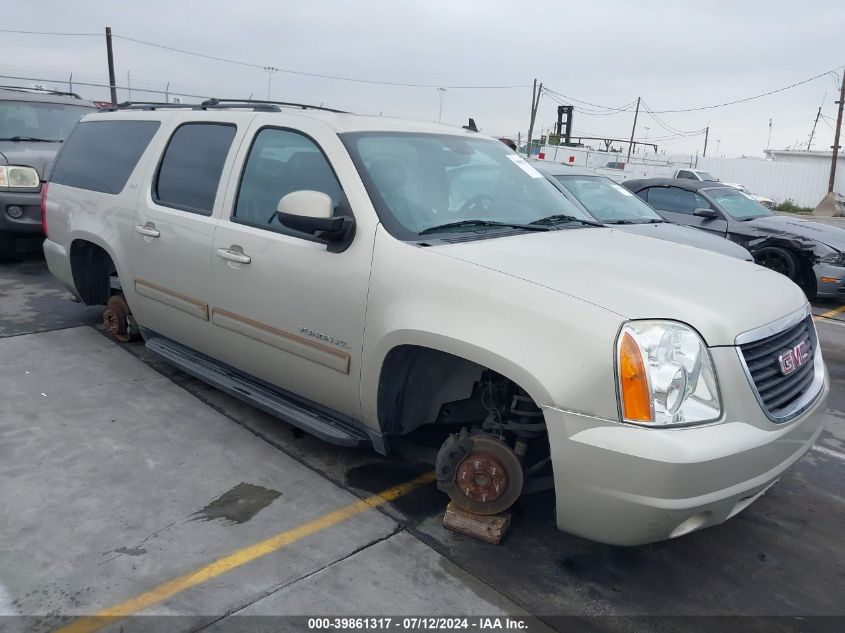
794, 358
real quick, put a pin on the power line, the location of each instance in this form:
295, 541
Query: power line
745, 99
50, 33
669, 128
318, 75
103, 85
624, 108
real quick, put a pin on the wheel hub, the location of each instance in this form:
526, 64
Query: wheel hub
482, 478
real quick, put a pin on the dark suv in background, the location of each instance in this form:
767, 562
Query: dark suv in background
33, 125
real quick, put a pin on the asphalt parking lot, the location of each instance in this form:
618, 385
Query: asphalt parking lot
131, 489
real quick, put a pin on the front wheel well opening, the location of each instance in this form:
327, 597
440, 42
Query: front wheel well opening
93, 271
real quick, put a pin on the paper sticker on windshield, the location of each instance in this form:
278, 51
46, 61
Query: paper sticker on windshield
622, 190
524, 165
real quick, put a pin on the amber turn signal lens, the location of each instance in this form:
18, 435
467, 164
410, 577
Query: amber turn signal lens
636, 404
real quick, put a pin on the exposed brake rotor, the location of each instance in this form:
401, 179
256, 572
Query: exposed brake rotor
480, 473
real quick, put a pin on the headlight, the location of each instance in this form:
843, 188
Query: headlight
665, 375
13, 176
835, 259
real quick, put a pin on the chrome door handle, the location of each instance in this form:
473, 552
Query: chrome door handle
233, 256
149, 230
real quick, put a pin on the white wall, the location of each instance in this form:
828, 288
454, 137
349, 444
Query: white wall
803, 183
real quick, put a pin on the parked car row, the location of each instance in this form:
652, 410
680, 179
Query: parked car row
362, 277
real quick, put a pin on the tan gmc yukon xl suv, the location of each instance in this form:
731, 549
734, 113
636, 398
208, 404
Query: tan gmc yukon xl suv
360, 277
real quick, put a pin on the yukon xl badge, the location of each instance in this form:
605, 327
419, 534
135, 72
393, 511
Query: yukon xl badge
323, 337
794, 358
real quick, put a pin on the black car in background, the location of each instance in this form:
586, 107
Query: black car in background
810, 253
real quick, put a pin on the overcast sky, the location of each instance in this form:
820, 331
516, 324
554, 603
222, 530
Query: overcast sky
674, 55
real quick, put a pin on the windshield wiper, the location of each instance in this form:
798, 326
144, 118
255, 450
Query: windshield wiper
459, 223
560, 217
32, 139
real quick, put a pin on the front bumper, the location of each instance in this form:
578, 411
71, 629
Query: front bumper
628, 485
30, 222
830, 280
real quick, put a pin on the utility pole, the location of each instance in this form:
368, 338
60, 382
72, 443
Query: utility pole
769, 142
706, 136
129, 84
440, 111
110, 55
813, 131
270, 70
633, 129
535, 101
70, 84
167, 93
841, 102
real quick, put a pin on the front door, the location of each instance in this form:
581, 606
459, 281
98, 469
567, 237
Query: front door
678, 205
173, 233
284, 308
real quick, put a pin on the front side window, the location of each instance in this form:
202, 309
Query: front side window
281, 162
676, 200
686, 174
707, 176
101, 155
190, 170
50, 122
607, 201
423, 181
737, 204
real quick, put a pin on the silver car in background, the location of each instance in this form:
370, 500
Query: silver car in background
615, 206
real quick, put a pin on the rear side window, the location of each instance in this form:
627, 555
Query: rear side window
190, 170
101, 155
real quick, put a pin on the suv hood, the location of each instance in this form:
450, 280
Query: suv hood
832, 236
29, 154
690, 236
641, 278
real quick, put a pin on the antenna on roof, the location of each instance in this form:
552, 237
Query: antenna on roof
471, 125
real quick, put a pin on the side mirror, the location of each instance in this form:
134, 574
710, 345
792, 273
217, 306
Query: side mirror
311, 212
709, 214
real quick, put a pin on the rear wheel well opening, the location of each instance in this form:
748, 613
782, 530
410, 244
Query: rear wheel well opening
93, 270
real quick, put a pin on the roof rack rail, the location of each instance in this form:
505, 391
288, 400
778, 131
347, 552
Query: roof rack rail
219, 104
303, 106
42, 91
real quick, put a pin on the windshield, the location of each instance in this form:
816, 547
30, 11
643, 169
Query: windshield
707, 176
428, 180
607, 201
43, 121
737, 204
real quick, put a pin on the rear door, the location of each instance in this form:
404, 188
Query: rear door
678, 205
174, 226
286, 309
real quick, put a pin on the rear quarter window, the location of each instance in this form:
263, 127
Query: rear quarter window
101, 155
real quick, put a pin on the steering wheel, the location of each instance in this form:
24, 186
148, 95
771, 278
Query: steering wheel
483, 201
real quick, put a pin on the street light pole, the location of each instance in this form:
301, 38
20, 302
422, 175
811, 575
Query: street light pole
270, 70
440, 111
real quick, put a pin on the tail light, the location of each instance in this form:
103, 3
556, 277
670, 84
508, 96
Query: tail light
44, 187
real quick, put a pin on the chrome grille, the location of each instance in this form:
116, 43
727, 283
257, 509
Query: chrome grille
782, 396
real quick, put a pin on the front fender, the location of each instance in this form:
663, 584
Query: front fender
556, 347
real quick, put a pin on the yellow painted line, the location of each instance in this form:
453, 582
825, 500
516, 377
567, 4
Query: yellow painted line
832, 313
166, 590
